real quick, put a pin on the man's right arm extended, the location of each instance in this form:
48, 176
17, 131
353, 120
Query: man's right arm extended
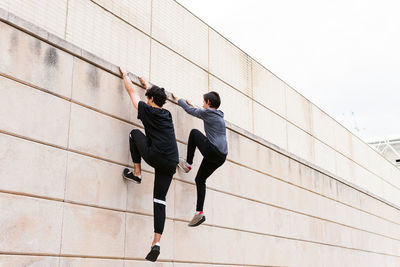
133, 94
197, 112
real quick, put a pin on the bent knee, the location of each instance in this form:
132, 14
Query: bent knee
194, 132
134, 132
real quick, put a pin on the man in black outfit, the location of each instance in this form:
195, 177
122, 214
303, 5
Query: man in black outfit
158, 148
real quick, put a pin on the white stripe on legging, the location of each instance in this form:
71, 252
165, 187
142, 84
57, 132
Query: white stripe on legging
160, 201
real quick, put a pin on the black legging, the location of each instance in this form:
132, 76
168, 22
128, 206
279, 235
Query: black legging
212, 160
164, 170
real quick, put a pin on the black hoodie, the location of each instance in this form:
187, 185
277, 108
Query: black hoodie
159, 130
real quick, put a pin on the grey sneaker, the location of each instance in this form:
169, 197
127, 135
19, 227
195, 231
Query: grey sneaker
197, 220
184, 165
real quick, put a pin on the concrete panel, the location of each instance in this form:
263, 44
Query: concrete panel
29, 225
367, 180
46, 168
298, 109
236, 106
258, 186
137, 13
375, 164
343, 140
140, 196
361, 152
87, 262
344, 167
104, 91
90, 129
229, 63
270, 126
32, 261
268, 89
393, 173
270, 251
187, 35
50, 15
300, 174
322, 126
32, 113
88, 24
107, 188
19, 52
194, 244
177, 75
139, 235
324, 156
102, 230
300, 143
390, 192
256, 156
228, 254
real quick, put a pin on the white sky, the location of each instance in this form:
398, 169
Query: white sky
343, 55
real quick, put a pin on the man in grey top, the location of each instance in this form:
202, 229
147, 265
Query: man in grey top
213, 146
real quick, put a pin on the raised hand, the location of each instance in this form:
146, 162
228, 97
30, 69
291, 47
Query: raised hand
174, 97
189, 103
122, 71
143, 83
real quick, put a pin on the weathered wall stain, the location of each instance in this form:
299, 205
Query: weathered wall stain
51, 57
93, 77
13, 41
36, 47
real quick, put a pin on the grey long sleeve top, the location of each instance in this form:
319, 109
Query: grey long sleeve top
214, 124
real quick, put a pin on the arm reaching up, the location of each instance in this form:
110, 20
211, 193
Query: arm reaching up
133, 94
144, 83
189, 108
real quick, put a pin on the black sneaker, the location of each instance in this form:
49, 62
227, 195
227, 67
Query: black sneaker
153, 254
127, 174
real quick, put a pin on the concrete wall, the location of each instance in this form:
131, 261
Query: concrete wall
297, 190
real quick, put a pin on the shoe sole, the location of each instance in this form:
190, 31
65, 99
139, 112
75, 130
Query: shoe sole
129, 179
153, 255
199, 222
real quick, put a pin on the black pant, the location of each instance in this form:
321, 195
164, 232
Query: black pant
164, 170
212, 160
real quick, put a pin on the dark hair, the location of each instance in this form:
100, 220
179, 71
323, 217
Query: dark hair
214, 99
158, 94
